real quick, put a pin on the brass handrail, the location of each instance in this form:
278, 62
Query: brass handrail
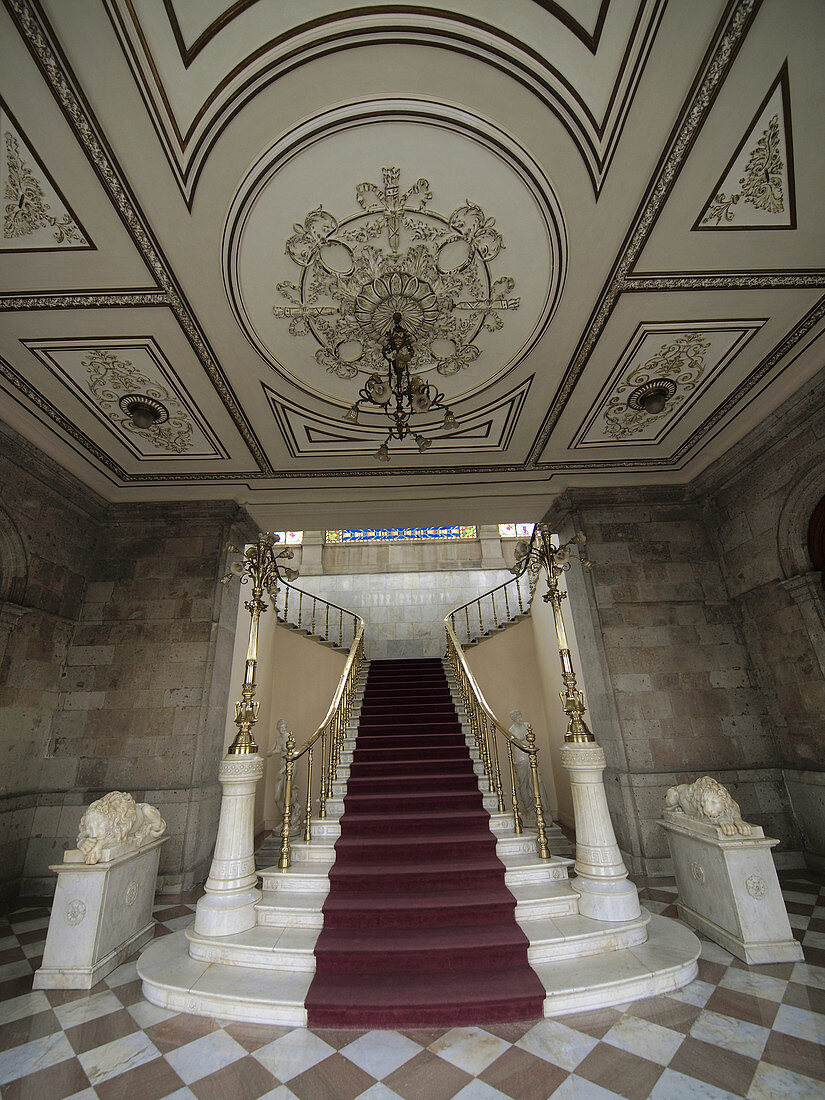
331, 733
282, 613
485, 726
497, 619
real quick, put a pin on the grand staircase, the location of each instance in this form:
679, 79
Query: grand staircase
419, 927
415, 902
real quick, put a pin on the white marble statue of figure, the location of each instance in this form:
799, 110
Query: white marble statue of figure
116, 825
296, 821
524, 778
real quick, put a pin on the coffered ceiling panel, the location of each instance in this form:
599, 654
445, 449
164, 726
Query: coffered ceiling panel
599, 223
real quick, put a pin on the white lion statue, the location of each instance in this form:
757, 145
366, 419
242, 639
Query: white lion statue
707, 800
117, 821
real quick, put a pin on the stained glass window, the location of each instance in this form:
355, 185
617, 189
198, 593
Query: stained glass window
290, 538
400, 534
515, 530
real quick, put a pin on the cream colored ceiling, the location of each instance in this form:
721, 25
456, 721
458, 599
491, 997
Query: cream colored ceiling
592, 194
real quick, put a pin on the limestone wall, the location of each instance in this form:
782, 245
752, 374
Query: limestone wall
671, 683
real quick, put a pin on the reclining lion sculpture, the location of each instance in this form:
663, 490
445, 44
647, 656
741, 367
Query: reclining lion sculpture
707, 800
116, 821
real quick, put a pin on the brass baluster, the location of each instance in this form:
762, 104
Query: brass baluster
312, 625
300, 606
340, 628
324, 792
467, 616
289, 764
496, 769
326, 625
308, 805
286, 603
506, 603
480, 620
517, 828
520, 600
541, 840
495, 614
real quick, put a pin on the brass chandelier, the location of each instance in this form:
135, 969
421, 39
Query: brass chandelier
400, 394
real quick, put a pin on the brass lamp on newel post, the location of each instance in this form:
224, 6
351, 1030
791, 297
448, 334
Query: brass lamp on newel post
260, 567
601, 876
228, 906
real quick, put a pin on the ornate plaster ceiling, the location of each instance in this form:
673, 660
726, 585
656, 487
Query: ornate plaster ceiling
218, 206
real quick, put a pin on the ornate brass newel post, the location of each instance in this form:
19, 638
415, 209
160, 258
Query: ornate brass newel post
228, 905
601, 876
532, 557
260, 567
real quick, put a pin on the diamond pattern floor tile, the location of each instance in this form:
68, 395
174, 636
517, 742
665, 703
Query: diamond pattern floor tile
735, 1032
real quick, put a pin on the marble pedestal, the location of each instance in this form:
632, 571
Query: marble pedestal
601, 876
102, 913
728, 889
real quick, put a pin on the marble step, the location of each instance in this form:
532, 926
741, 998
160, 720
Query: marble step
290, 909
173, 980
289, 948
574, 937
523, 868
664, 962
307, 877
539, 901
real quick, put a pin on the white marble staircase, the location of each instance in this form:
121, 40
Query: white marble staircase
262, 975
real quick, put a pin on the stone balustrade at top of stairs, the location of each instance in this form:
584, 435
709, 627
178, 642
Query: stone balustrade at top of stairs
265, 973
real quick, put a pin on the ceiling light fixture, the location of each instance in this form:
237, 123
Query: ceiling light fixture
651, 397
144, 412
401, 394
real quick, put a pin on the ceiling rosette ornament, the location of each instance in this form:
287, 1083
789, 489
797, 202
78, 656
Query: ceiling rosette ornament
395, 255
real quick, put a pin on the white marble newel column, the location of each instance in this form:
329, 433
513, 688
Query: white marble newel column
228, 906
601, 874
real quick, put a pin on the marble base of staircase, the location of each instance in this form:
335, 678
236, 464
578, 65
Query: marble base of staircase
275, 995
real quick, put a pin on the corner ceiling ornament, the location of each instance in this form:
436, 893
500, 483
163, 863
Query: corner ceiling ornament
396, 256
756, 189
118, 386
31, 203
672, 373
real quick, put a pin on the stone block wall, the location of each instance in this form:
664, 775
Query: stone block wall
48, 538
758, 503
115, 657
144, 686
670, 681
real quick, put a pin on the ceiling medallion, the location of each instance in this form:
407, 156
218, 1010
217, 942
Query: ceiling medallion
656, 386
396, 256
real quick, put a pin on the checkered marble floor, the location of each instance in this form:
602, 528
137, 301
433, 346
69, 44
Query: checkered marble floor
737, 1031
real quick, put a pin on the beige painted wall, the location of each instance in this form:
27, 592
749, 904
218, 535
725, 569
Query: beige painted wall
506, 670
296, 679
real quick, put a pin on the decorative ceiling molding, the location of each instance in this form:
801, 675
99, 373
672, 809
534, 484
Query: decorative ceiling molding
309, 434
718, 60
683, 355
188, 53
709, 280
333, 288
756, 189
98, 299
187, 149
59, 76
36, 216
100, 372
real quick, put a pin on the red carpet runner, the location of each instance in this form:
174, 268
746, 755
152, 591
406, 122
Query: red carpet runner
419, 928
